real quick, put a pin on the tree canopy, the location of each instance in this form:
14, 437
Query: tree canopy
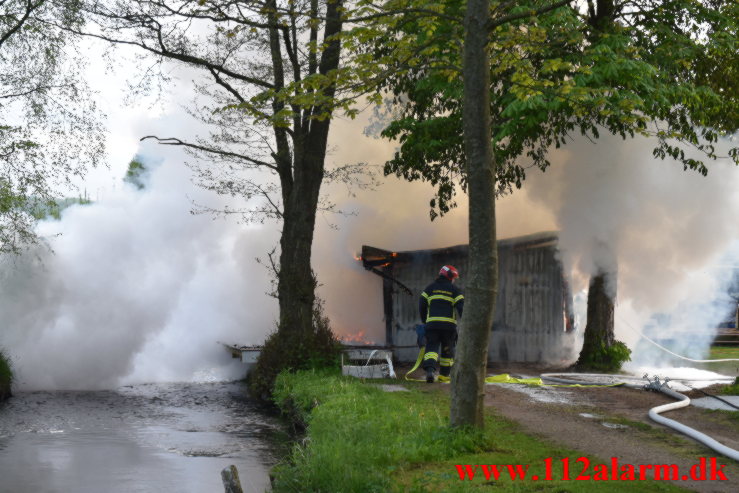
659, 68
49, 127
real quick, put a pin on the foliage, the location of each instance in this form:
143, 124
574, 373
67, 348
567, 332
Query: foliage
604, 358
6, 376
49, 132
653, 69
263, 81
288, 351
361, 439
135, 173
52, 209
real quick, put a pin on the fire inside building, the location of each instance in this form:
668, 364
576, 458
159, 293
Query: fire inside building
533, 314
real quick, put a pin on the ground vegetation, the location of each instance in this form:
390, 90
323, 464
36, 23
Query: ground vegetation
378, 436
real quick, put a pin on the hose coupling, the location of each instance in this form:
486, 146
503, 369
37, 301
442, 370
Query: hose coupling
655, 384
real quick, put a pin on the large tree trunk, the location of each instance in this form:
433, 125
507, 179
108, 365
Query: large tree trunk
296, 282
468, 377
599, 327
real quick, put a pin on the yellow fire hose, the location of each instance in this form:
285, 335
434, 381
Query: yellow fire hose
502, 378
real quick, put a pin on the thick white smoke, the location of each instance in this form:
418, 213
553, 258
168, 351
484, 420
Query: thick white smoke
668, 233
136, 289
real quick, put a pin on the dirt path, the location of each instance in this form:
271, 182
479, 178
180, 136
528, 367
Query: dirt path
613, 422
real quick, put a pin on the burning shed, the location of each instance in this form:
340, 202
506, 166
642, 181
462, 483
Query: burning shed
533, 317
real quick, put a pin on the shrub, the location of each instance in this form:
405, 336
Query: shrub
604, 358
292, 351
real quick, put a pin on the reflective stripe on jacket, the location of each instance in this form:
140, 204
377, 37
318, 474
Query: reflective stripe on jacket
440, 303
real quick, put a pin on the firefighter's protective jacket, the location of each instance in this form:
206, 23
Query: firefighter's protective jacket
439, 305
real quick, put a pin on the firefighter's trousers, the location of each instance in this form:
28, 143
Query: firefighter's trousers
440, 341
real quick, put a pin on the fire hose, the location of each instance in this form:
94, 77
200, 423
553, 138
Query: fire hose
655, 412
558, 379
684, 401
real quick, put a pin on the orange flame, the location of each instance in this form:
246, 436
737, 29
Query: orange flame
357, 339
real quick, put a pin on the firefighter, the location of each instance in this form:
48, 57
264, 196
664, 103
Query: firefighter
439, 305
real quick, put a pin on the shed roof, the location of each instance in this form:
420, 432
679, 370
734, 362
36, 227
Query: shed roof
378, 257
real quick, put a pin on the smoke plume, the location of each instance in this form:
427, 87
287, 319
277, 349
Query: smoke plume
135, 288
665, 231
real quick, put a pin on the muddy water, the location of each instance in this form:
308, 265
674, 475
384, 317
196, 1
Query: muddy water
145, 438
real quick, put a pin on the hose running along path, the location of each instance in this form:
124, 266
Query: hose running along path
654, 413
684, 401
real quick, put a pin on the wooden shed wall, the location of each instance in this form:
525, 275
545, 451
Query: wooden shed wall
532, 303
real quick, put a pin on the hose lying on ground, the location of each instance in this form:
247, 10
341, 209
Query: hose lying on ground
727, 402
654, 413
684, 401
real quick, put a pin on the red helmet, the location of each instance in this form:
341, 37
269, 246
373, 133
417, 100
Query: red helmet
449, 272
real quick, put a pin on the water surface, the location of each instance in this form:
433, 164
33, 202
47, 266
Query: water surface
144, 438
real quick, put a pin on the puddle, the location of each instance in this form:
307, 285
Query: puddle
614, 426
552, 395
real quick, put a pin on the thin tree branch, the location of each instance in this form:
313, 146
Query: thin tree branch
226, 85
190, 59
173, 141
30, 7
493, 23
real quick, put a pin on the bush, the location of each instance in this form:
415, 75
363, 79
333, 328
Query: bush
605, 358
6, 376
292, 351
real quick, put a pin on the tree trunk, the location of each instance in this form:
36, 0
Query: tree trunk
468, 377
599, 327
296, 282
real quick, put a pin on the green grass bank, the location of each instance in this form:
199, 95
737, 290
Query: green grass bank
360, 438
725, 367
6, 377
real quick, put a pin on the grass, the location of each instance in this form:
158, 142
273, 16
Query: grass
724, 367
6, 376
728, 418
721, 352
361, 439
732, 389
